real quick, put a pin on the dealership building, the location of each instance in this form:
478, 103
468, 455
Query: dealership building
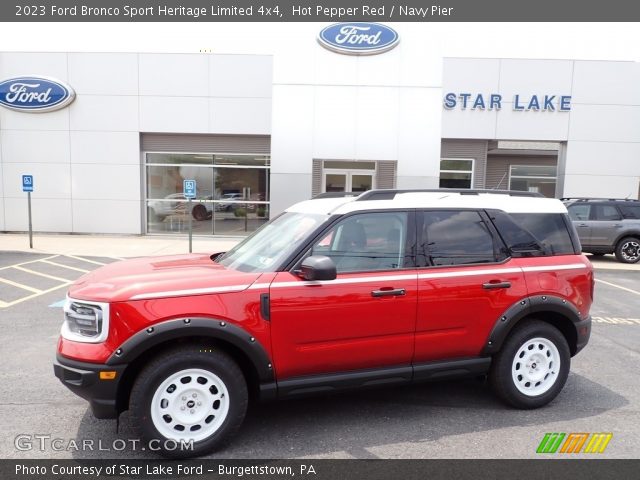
258, 132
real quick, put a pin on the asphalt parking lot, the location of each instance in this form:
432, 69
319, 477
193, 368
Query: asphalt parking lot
437, 420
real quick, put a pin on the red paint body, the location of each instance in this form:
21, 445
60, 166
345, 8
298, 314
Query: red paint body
323, 327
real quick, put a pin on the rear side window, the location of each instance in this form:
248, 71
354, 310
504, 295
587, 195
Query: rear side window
606, 212
549, 230
457, 238
630, 211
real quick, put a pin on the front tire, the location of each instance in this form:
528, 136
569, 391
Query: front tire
197, 396
532, 366
628, 250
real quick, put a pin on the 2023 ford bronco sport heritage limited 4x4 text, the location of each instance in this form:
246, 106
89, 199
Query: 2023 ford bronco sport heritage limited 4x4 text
386, 288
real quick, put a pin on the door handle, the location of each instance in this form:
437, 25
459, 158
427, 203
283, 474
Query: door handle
392, 292
494, 285
582, 225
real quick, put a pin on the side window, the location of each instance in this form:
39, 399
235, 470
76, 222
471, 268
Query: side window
370, 241
549, 230
630, 211
457, 238
606, 212
579, 212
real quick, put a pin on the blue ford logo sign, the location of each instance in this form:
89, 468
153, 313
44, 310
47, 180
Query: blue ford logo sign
358, 38
35, 94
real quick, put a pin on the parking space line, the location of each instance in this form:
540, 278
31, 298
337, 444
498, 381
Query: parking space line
59, 279
618, 286
65, 266
20, 285
30, 261
85, 260
24, 299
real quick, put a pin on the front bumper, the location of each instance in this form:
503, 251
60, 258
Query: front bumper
83, 379
583, 332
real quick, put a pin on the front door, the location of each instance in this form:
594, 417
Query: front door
606, 224
363, 319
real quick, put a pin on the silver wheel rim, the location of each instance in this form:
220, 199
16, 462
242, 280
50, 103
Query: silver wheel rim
630, 251
536, 366
190, 404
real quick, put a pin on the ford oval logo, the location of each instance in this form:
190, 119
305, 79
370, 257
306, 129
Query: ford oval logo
358, 38
35, 94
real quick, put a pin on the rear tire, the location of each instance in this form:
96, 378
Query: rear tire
628, 250
189, 394
532, 366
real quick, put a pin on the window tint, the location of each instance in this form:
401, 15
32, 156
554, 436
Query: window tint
371, 241
519, 241
606, 212
630, 211
457, 238
579, 212
549, 229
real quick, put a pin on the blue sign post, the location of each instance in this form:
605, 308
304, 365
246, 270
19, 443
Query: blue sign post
27, 186
189, 191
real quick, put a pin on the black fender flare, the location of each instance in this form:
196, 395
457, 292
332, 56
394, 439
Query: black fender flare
206, 328
516, 312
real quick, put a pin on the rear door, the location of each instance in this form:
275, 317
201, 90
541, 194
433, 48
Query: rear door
606, 224
365, 318
467, 283
580, 215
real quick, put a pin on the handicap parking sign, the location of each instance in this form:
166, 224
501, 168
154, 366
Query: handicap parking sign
27, 183
189, 188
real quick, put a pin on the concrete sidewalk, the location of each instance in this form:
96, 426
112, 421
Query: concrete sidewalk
126, 246
119, 246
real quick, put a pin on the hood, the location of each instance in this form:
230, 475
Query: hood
158, 277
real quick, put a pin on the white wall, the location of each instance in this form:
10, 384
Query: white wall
332, 106
602, 129
86, 158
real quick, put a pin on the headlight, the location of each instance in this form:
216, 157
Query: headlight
85, 321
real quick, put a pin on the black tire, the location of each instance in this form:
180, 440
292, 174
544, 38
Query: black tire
502, 380
628, 250
164, 368
199, 212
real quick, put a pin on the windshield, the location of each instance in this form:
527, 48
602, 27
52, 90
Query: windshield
267, 247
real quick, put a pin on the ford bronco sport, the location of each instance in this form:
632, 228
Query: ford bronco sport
386, 288
607, 225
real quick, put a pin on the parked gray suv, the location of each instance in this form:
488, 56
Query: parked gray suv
607, 225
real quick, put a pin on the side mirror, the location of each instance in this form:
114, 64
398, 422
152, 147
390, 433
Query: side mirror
318, 267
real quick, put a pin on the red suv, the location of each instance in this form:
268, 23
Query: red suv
386, 288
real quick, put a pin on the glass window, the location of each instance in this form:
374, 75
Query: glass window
606, 212
519, 241
579, 212
456, 173
630, 211
457, 238
533, 178
232, 193
371, 241
267, 248
549, 229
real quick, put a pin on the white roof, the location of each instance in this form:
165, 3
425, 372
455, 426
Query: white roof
497, 201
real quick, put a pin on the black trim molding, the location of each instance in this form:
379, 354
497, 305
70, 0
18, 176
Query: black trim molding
195, 327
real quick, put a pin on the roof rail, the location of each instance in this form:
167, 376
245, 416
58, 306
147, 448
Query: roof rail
390, 194
597, 199
336, 195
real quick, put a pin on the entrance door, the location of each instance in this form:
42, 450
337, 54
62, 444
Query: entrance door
348, 181
348, 176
